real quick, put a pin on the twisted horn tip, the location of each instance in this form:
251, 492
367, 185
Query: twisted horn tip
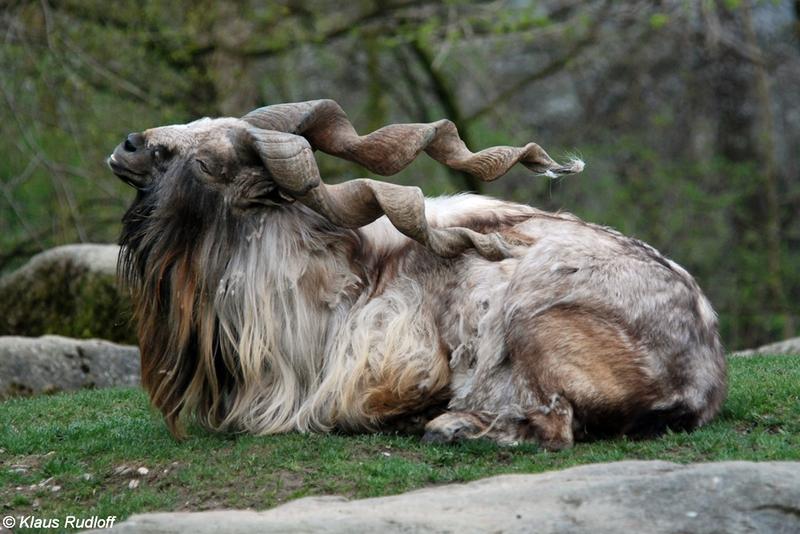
573, 166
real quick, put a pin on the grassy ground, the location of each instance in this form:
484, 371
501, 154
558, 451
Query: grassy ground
81, 453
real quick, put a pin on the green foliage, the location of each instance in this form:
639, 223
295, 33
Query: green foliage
98, 434
658, 20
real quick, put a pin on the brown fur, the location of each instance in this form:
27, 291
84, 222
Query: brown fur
569, 349
590, 360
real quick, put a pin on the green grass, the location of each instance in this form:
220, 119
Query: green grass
82, 442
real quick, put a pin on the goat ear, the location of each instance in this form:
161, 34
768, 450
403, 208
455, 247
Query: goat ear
254, 187
285, 170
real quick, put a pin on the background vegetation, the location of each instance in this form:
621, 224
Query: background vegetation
686, 112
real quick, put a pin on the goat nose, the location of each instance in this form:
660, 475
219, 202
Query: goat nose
133, 142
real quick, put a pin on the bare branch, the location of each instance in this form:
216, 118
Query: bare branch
448, 100
548, 70
116, 80
379, 12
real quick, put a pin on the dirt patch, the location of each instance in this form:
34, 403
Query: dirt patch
29, 485
244, 492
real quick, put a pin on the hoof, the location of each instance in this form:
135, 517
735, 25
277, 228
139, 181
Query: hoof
434, 437
450, 427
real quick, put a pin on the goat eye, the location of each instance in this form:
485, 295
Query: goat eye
203, 166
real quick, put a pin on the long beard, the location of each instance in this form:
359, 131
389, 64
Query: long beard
231, 323
171, 259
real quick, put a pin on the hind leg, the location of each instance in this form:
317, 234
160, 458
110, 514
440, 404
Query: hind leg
598, 370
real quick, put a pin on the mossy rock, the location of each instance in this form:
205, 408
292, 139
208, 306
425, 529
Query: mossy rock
70, 291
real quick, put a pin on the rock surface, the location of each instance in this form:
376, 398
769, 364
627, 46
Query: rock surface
629, 496
48, 364
71, 291
789, 346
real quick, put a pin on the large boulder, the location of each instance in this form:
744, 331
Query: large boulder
630, 496
789, 346
30, 366
71, 291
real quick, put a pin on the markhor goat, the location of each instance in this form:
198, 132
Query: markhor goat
268, 301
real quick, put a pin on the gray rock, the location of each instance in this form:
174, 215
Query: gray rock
99, 258
70, 291
629, 496
29, 366
789, 346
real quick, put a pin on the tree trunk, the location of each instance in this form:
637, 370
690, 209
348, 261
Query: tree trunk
769, 172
